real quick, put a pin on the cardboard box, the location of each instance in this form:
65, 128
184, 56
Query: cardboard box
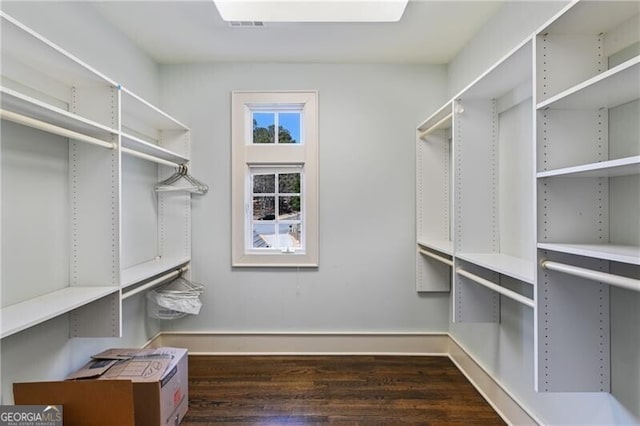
147, 387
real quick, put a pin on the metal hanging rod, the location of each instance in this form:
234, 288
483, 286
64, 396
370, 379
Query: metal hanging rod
424, 133
166, 277
51, 128
590, 274
148, 157
436, 257
498, 289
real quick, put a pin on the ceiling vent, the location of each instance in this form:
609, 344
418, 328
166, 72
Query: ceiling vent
246, 24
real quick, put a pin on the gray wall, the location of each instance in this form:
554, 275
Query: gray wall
506, 350
367, 119
45, 351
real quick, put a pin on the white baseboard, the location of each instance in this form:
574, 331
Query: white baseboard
433, 344
505, 404
356, 343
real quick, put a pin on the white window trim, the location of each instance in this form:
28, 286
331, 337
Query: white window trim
245, 154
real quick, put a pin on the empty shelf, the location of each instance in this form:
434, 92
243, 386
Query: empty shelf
443, 246
143, 271
614, 87
614, 252
29, 313
515, 267
612, 168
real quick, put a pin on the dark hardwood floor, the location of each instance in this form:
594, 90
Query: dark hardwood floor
343, 390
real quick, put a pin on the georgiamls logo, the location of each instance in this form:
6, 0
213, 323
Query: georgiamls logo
27, 415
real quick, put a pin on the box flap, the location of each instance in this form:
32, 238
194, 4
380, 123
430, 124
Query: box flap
92, 369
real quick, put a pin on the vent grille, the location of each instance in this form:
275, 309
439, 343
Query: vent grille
246, 24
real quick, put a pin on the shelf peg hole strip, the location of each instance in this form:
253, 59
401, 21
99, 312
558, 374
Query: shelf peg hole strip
590, 274
498, 289
436, 257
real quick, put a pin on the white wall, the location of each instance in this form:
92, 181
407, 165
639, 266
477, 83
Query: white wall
367, 119
45, 351
506, 349
513, 22
78, 27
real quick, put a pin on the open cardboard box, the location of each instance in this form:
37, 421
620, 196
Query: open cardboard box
147, 387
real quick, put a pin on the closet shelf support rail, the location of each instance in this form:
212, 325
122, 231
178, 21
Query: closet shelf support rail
51, 128
503, 291
590, 274
424, 133
148, 157
436, 257
163, 279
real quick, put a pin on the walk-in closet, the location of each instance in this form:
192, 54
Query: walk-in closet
294, 212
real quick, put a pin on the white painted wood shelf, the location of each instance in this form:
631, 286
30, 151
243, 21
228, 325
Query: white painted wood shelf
146, 270
612, 168
23, 315
19, 103
148, 114
613, 252
609, 89
443, 246
514, 267
139, 145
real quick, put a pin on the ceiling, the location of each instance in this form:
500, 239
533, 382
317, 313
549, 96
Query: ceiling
192, 31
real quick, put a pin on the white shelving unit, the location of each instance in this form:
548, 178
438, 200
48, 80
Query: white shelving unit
433, 201
546, 188
493, 186
65, 130
588, 148
157, 225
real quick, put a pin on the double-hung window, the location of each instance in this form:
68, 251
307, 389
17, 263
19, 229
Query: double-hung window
274, 179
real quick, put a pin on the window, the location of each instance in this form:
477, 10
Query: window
274, 179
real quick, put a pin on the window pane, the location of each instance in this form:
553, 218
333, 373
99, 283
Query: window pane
264, 184
289, 183
289, 208
264, 236
289, 235
264, 208
289, 127
263, 127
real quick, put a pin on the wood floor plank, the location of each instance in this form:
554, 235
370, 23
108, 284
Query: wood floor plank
332, 390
